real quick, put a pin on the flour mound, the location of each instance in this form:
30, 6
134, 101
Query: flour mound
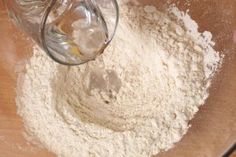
136, 99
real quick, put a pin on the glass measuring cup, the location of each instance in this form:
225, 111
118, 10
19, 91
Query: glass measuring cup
72, 32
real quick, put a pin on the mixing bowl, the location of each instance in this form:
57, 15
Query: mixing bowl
212, 131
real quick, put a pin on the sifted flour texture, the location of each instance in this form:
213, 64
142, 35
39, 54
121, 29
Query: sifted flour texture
134, 100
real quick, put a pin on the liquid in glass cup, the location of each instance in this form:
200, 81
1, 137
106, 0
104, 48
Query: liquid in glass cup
72, 32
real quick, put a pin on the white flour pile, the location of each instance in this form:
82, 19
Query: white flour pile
133, 101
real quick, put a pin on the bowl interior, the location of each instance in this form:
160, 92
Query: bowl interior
213, 129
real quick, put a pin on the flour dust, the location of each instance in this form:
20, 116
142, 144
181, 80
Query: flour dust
134, 100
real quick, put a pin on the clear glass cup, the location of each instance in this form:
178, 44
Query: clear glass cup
72, 32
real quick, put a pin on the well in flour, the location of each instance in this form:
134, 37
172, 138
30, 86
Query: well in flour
134, 100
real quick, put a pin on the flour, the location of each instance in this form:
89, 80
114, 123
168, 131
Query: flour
134, 100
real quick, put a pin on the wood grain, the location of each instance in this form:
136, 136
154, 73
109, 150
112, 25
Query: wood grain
213, 130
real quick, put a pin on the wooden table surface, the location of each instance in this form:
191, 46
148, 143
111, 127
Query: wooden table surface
213, 129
